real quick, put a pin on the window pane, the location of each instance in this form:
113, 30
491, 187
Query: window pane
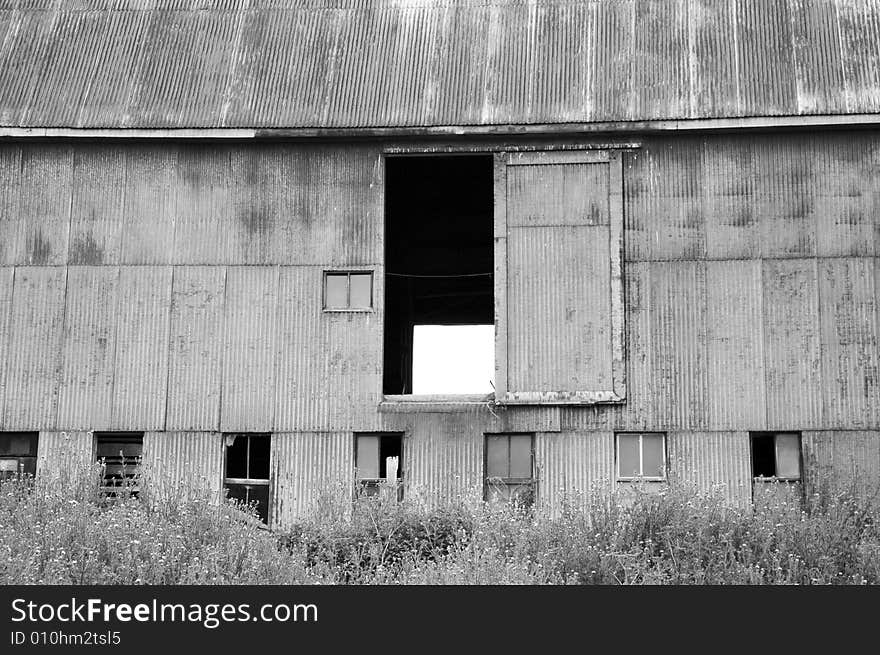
367, 456
236, 457
497, 457
788, 456
17, 445
652, 455
361, 290
520, 456
259, 464
628, 455
337, 291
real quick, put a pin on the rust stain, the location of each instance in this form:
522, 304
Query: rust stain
85, 250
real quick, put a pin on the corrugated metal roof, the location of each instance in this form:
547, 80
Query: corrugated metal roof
386, 63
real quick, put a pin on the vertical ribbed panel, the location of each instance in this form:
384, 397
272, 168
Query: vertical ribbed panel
140, 385
713, 460
97, 204
11, 222
817, 56
859, 22
736, 355
203, 204
572, 463
612, 61
677, 360
792, 344
845, 459
59, 453
850, 373
550, 195
661, 37
255, 179
305, 466
85, 395
44, 195
149, 204
714, 71
246, 400
766, 82
329, 368
636, 412
195, 353
35, 338
7, 280
730, 180
192, 459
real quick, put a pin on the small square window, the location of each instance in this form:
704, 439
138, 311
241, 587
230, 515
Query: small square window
18, 454
348, 291
641, 455
510, 466
120, 453
247, 470
776, 455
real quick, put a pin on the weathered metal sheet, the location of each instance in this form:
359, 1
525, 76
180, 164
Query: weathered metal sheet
35, 338
64, 454
141, 370
715, 462
844, 459
329, 366
308, 468
99, 178
735, 345
7, 280
792, 344
150, 204
88, 355
177, 463
249, 352
730, 179
570, 465
10, 219
850, 361
195, 348
44, 208
394, 62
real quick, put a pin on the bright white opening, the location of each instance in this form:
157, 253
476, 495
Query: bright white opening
453, 359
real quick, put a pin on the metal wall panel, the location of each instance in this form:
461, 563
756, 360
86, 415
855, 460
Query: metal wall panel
150, 204
729, 186
309, 468
570, 464
88, 354
7, 281
792, 344
850, 362
64, 454
819, 74
177, 463
844, 459
10, 216
96, 205
713, 462
735, 345
36, 330
859, 24
249, 353
195, 348
44, 196
141, 370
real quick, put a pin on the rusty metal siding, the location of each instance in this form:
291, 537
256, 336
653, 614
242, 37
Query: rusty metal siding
572, 463
96, 206
149, 205
7, 281
246, 400
850, 362
88, 351
195, 348
62, 454
735, 345
415, 63
792, 344
713, 462
36, 329
329, 366
308, 468
141, 369
180, 462
844, 459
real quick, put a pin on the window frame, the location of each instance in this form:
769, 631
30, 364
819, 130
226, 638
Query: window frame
508, 481
645, 478
248, 481
122, 436
347, 273
363, 484
20, 471
776, 477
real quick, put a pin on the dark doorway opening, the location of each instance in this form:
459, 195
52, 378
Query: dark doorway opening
439, 258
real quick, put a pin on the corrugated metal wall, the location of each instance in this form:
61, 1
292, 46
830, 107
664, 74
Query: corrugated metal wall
62, 454
718, 462
359, 63
177, 460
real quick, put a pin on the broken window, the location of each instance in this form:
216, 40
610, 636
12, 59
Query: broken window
439, 275
776, 455
348, 291
510, 466
120, 455
378, 460
247, 470
641, 455
18, 454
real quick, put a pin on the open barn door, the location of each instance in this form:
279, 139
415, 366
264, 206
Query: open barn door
559, 324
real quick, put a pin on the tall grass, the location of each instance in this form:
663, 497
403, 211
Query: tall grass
62, 530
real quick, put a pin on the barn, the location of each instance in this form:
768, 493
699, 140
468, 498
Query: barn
241, 239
